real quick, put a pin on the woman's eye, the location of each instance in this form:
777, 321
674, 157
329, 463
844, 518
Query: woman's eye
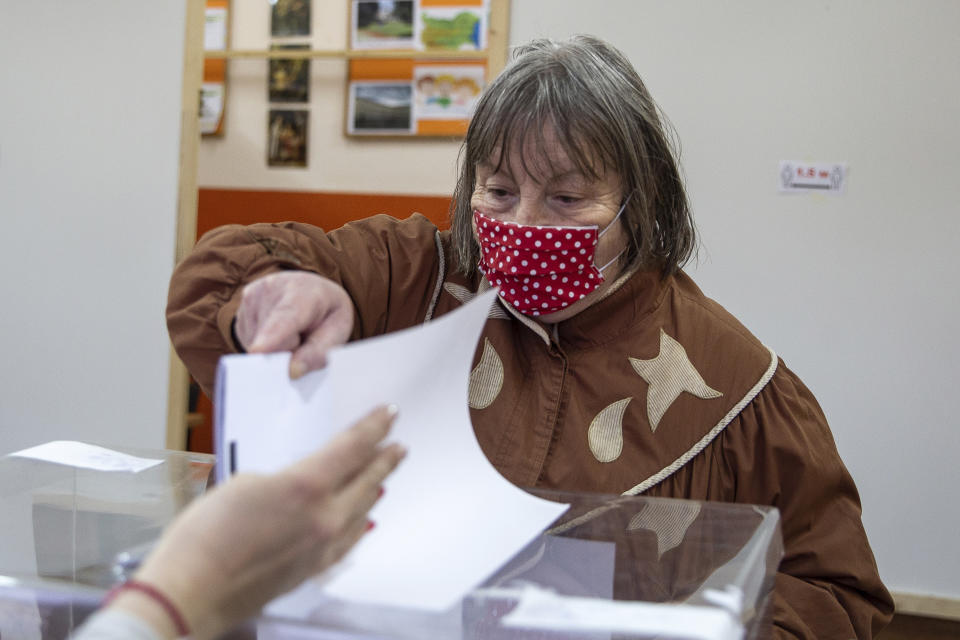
497, 192
564, 199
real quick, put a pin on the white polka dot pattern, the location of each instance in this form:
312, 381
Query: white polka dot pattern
539, 270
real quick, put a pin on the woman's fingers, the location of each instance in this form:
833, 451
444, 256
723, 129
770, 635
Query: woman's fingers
294, 311
280, 328
363, 491
346, 454
332, 552
286, 315
341, 513
333, 330
256, 304
341, 519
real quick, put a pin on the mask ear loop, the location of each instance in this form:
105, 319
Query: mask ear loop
607, 228
612, 260
616, 217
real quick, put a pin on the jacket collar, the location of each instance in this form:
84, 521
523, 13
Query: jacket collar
632, 296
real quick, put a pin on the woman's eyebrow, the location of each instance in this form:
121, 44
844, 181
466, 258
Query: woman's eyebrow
573, 175
491, 170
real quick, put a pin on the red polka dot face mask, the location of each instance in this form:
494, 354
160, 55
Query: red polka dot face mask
540, 270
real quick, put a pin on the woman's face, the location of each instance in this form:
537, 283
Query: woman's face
556, 194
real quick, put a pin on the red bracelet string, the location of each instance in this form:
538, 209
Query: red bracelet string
157, 596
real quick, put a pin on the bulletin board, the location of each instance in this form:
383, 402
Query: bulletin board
416, 95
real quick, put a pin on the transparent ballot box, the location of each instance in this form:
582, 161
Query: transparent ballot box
610, 567
70, 532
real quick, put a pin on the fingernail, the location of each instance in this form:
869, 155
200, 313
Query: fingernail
380, 492
370, 525
392, 410
297, 369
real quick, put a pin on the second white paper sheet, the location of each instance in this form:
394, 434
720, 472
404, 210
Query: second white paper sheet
448, 519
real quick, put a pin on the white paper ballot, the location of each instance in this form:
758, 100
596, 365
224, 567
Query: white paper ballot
448, 519
86, 456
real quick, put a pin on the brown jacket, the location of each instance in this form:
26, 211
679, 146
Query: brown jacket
655, 389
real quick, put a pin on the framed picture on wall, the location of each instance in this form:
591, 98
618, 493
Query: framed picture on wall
380, 108
290, 18
287, 138
446, 92
382, 24
452, 28
289, 79
212, 98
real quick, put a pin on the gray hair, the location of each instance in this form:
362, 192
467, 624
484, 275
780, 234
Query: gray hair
605, 120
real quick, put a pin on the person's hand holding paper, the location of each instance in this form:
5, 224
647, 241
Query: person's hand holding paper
295, 311
448, 518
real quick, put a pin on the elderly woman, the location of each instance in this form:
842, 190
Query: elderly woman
603, 367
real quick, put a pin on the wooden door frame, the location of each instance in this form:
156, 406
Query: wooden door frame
179, 380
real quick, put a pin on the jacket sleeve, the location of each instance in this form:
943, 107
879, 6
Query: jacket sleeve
783, 454
388, 267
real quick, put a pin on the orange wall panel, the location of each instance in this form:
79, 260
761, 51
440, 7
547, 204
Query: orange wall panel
328, 210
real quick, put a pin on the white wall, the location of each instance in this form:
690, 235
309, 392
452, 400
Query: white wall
89, 144
857, 293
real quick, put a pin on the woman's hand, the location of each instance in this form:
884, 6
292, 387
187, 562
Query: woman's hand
295, 311
256, 537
